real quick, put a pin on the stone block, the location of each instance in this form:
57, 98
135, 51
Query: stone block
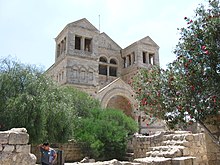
186, 152
1, 148
18, 138
23, 148
4, 137
189, 137
8, 148
183, 161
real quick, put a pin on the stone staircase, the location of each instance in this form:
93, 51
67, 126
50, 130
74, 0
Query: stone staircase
176, 148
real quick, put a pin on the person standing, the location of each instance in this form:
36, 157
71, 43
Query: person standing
48, 155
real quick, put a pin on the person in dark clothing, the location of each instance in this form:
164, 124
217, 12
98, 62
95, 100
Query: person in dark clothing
48, 155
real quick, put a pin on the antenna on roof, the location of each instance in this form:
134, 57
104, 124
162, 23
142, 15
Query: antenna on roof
99, 23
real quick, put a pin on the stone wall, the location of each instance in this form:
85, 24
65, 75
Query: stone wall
171, 146
14, 148
212, 148
72, 151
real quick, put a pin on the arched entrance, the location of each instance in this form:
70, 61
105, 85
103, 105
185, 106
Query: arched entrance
121, 103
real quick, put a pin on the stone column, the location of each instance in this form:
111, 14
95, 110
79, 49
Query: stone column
127, 61
108, 70
147, 57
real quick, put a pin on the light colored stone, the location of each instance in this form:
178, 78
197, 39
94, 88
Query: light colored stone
19, 155
4, 137
18, 138
8, 148
23, 148
189, 137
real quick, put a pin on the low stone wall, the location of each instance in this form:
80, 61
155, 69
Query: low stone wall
72, 151
141, 143
14, 148
212, 148
193, 145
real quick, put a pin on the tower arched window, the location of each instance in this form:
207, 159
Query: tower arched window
113, 68
103, 67
103, 59
113, 61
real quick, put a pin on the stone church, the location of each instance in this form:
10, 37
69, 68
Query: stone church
92, 62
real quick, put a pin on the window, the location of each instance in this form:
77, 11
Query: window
103, 69
64, 44
88, 46
75, 73
90, 76
151, 59
58, 50
82, 74
77, 42
125, 64
113, 71
113, 61
62, 75
129, 60
103, 59
144, 57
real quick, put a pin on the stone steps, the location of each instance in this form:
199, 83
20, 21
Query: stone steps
166, 161
173, 151
166, 151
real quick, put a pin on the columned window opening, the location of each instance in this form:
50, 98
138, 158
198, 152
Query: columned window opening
108, 69
77, 42
88, 44
144, 57
151, 59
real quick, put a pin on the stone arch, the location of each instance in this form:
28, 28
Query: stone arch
74, 73
122, 93
113, 61
103, 58
82, 73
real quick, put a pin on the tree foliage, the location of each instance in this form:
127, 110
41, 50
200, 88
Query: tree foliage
28, 98
106, 132
189, 89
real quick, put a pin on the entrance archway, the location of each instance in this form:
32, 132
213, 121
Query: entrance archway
121, 103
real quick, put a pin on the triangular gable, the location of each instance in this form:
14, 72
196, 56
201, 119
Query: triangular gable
148, 40
83, 23
106, 42
115, 84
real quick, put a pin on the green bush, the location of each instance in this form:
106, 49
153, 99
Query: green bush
106, 132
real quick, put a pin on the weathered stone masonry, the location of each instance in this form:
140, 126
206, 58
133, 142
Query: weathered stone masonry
14, 148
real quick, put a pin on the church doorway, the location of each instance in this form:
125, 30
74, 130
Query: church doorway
121, 103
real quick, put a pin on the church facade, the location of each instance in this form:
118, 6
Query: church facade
92, 62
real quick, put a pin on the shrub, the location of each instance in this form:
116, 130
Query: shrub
106, 132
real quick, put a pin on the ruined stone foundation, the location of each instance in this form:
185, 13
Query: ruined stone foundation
14, 148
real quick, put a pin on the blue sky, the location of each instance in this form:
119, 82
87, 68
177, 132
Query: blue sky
28, 27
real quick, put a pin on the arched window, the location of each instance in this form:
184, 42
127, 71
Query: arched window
113, 61
102, 69
113, 71
103, 59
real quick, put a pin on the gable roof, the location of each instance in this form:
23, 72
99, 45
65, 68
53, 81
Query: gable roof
83, 23
103, 34
148, 40
117, 82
